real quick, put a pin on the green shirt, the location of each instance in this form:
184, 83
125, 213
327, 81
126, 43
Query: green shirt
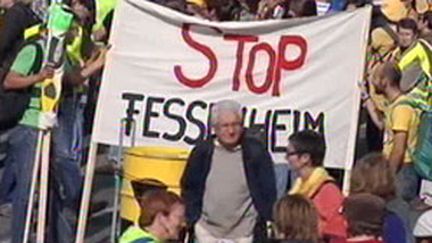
22, 65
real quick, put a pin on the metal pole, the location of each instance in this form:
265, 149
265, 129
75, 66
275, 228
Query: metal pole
117, 167
115, 224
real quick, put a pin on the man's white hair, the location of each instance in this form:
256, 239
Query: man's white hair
224, 106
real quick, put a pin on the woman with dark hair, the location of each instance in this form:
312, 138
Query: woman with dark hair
296, 220
305, 153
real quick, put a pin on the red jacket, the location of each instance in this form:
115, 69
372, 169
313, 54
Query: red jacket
328, 201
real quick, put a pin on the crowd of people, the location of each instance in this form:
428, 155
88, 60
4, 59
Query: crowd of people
228, 189
383, 204
228, 194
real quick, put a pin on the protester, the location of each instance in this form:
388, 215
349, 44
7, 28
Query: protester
407, 32
238, 164
372, 174
305, 153
400, 125
379, 51
68, 134
229, 184
23, 138
161, 218
415, 64
364, 213
18, 19
296, 220
25, 73
411, 55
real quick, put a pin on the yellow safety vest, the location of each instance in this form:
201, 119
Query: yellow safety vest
420, 54
134, 233
103, 8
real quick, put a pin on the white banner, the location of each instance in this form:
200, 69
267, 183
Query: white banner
288, 74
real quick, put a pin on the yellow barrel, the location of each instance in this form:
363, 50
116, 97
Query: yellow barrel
161, 163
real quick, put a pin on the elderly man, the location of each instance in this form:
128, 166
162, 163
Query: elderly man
229, 183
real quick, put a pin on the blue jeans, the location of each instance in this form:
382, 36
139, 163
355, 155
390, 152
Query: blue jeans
67, 176
21, 154
407, 183
7, 183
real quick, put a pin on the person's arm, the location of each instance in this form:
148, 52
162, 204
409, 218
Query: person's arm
376, 116
79, 75
18, 76
190, 182
16, 80
397, 154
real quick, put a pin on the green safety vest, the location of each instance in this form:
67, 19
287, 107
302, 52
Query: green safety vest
73, 49
135, 233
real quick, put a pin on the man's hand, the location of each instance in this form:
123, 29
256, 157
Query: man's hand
98, 57
101, 57
46, 73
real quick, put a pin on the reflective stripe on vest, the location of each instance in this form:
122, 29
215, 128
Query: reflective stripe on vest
32, 31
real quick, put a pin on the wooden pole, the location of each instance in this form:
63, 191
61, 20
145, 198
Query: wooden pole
36, 166
43, 187
85, 200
